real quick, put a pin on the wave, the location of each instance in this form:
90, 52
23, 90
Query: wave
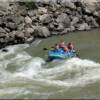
74, 72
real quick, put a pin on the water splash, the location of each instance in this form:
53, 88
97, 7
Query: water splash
27, 70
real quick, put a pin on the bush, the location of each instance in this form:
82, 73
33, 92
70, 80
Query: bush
30, 5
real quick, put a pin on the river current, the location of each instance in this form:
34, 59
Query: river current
24, 74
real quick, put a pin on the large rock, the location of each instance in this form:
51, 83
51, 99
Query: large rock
3, 35
42, 10
28, 32
72, 28
66, 30
94, 23
11, 25
51, 26
91, 21
42, 31
19, 34
75, 20
2, 30
28, 20
29, 40
83, 26
45, 18
60, 27
32, 13
17, 19
21, 26
3, 8
64, 19
68, 3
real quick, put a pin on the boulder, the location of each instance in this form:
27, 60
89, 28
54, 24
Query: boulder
28, 20
74, 21
2, 30
11, 25
83, 26
94, 23
7, 29
29, 40
68, 3
72, 28
64, 19
51, 26
21, 26
60, 27
3, 8
18, 19
42, 10
91, 21
19, 34
28, 32
31, 13
45, 18
65, 31
42, 31
13, 18
3, 35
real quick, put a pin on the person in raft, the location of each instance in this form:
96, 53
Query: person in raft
56, 48
72, 49
63, 46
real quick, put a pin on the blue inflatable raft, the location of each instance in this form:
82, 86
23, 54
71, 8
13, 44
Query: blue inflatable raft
61, 55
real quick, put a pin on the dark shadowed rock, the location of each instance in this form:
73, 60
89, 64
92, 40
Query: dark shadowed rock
4, 50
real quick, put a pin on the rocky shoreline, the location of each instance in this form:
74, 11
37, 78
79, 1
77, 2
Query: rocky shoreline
23, 22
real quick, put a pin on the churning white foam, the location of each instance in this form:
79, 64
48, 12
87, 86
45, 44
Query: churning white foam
72, 72
69, 73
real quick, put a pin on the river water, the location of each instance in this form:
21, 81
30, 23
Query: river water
24, 74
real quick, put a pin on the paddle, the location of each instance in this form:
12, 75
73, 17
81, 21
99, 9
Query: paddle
45, 49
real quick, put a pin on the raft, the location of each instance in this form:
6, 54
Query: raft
61, 55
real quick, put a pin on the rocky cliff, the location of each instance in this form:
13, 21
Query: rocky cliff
22, 22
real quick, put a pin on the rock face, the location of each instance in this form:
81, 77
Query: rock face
23, 22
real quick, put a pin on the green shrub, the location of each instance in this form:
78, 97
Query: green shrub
29, 5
